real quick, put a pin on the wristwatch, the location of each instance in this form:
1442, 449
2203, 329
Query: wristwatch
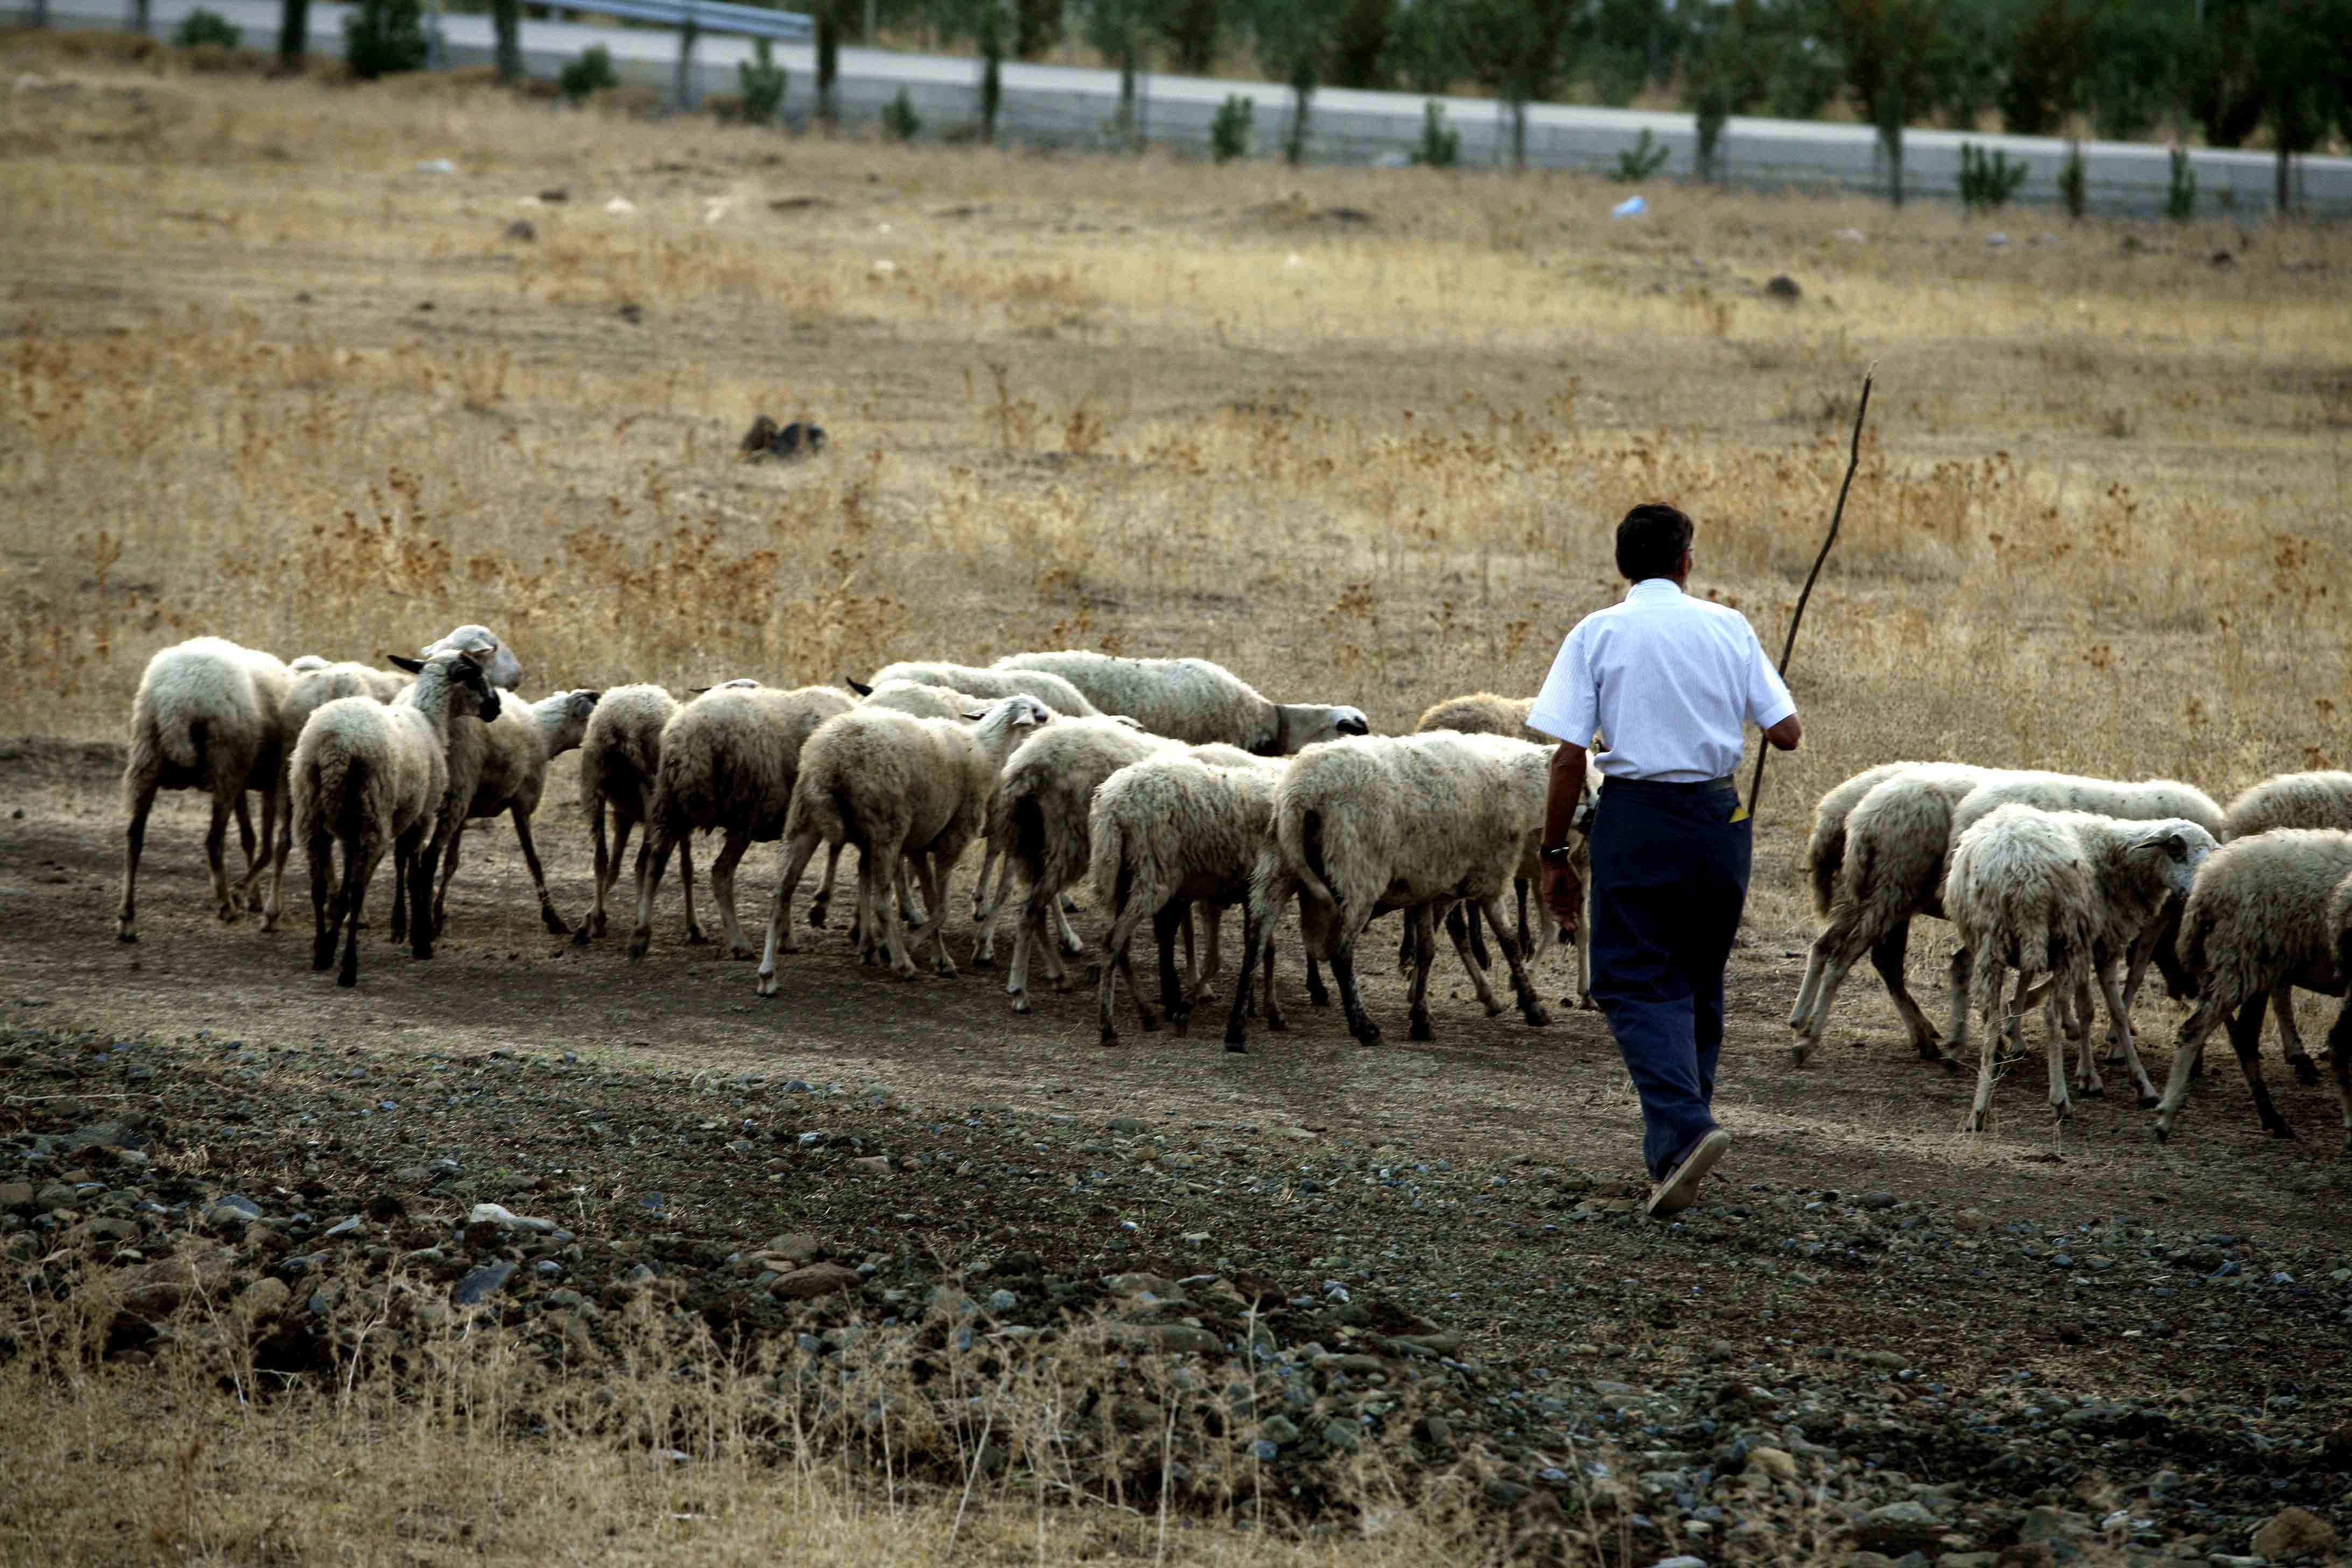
1553, 854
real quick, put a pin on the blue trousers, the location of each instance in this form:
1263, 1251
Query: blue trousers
1669, 879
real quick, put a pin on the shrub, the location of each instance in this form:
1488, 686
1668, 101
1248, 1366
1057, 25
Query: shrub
1638, 162
1229, 132
2180, 195
763, 82
382, 38
592, 72
900, 120
202, 26
1988, 182
1440, 148
2073, 185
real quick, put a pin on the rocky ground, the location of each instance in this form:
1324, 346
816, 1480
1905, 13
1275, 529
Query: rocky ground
1788, 1367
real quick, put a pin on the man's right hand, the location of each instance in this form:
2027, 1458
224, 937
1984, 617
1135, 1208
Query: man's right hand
1563, 897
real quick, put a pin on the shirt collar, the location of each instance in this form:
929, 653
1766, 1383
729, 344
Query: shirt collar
1653, 588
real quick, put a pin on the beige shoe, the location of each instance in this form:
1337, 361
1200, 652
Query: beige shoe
1680, 1189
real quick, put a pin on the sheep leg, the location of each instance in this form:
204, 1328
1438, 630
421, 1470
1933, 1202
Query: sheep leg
216, 856
2087, 1081
875, 869
1204, 985
134, 839
824, 888
2246, 1039
1460, 929
247, 892
1477, 931
2057, 1039
1523, 985
1887, 956
1343, 971
1257, 915
1166, 922
2119, 1016
987, 911
1016, 971
326, 906
1425, 947
980, 904
360, 862
779, 912
547, 915
1987, 986
1270, 1009
933, 879
602, 864
695, 935
2307, 1071
1192, 959
2188, 1046
1128, 908
399, 931
448, 862
722, 890
1072, 943
653, 855
1837, 956
2339, 1059
281, 846
422, 928
1316, 994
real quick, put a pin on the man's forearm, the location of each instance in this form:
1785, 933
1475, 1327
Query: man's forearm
1567, 765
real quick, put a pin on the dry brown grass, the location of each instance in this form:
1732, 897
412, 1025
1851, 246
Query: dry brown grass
1151, 405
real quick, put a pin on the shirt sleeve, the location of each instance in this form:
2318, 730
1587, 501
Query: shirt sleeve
1768, 695
1568, 706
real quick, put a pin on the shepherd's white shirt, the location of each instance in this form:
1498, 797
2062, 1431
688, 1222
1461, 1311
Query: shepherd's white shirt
1669, 681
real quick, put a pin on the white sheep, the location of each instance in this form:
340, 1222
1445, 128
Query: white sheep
2339, 1038
905, 791
921, 699
521, 743
1825, 847
206, 717
2320, 799
728, 762
1485, 713
367, 777
2137, 800
317, 684
1897, 836
1403, 822
468, 750
2074, 895
1193, 701
2261, 915
1167, 832
988, 685
620, 752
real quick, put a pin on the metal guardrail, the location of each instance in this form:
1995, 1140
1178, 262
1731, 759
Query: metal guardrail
708, 17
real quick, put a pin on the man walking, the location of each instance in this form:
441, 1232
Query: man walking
1669, 683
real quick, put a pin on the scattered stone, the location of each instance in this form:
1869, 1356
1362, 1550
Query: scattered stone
482, 1283
1875, 1201
522, 228
1777, 1463
872, 1164
235, 1208
816, 1279
17, 1198
795, 1247
507, 1219
2295, 1532
1899, 1527
1975, 1222
1783, 286
1279, 1430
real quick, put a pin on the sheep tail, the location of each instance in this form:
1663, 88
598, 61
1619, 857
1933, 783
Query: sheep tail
1113, 878
1028, 842
1301, 832
1823, 854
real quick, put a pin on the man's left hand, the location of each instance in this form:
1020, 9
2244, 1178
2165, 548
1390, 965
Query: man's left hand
1563, 897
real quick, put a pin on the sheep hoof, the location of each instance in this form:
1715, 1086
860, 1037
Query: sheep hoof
1148, 1020
1236, 1042
348, 979
2149, 1100
1420, 1029
126, 936
1369, 1036
420, 951
2092, 1090
2307, 1071
694, 937
639, 942
1111, 1035
580, 936
552, 921
983, 961
1277, 1023
1074, 945
2277, 1129
2163, 1133
322, 953
1797, 1052
767, 986
1020, 1005
596, 923
1536, 1016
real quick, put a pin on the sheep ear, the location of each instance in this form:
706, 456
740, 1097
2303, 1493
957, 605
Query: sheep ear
858, 687
975, 712
414, 665
1353, 725
2176, 846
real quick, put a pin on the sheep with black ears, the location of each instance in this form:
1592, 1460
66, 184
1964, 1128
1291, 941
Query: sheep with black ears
730, 759
1369, 825
905, 791
521, 742
370, 776
204, 717
2263, 915
988, 685
1193, 701
2070, 894
1168, 831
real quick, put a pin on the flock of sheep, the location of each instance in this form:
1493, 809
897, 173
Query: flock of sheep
1173, 787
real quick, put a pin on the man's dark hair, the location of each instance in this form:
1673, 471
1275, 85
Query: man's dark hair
1651, 541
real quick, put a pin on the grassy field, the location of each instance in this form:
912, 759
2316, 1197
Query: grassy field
1360, 435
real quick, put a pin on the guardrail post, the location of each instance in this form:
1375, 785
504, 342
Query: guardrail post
685, 59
